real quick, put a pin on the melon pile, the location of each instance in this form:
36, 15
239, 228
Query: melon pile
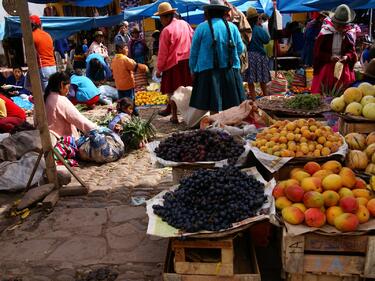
357, 101
361, 155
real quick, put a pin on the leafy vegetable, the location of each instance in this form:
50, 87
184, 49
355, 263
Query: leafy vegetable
303, 101
332, 91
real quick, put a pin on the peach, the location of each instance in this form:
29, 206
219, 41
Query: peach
362, 193
293, 171
293, 215
348, 177
332, 182
278, 191
313, 199
314, 217
282, 202
291, 182
311, 167
312, 184
371, 207
332, 213
322, 174
362, 201
294, 193
300, 206
333, 166
346, 222
360, 183
349, 204
362, 214
331, 198
300, 175
344, 191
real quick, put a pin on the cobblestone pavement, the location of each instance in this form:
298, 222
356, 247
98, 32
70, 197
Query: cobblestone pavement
100, 236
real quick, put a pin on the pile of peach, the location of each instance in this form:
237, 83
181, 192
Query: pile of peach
300, 138
330, 193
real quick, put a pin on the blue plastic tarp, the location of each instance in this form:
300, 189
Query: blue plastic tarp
299, 6
146, 11
331, 4
195, 16
81, 3
62, 27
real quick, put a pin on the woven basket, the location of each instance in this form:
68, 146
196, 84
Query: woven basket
10, 7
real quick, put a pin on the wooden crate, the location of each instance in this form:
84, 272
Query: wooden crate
340, 255
245, 266
319, 277
346, 127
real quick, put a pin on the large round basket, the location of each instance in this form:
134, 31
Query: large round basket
10, 7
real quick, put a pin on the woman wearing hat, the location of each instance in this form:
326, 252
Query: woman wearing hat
173, 57
97, 46
215, 61
335, 43
258, 70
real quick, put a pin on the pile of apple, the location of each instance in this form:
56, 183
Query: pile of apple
357, 101
362, 152
328, 193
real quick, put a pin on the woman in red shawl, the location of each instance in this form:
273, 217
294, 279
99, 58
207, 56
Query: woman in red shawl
335, 43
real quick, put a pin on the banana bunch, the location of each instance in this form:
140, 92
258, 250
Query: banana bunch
150, 98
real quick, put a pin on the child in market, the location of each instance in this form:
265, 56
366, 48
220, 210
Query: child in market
123, 69
125, 111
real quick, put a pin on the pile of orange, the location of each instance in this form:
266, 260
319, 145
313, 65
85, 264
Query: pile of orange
300, 138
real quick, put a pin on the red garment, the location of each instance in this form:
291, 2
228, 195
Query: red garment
7, 124
91, 102
323, 51
178, 75
13, 110
44, 47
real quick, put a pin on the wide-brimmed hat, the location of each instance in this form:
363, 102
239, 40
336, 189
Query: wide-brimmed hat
326, 13
370, 69
251, 13
165, 8
216, 5
98, 33
343, 15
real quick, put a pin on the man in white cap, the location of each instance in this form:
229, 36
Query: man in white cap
173, 57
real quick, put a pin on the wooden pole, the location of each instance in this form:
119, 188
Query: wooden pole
36, 86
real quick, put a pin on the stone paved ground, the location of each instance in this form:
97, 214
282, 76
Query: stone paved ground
101, 234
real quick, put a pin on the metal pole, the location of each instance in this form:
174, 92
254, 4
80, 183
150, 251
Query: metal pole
371, 22
36, 86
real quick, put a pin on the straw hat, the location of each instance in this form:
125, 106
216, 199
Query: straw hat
370, 69
343, 15
251, 13
98, 33
164, 9
216, 5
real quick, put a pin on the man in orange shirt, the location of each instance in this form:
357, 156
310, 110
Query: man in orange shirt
45, 52
123, 69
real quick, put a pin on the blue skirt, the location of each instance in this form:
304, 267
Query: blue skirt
217, 89
258, 70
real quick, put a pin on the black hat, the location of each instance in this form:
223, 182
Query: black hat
216, 5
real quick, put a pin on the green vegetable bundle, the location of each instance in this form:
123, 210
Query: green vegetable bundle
304, 101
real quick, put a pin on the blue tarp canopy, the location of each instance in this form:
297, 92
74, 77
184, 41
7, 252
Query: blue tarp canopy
81, 3
299, 6
146, 11
197, 16
191, 10
331, 4
62, 27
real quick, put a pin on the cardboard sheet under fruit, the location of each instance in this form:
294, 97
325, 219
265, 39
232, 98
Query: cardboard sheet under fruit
273, 163
294, 230
155, 160
157, 227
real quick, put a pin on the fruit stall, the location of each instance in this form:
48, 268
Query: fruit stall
312, 185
